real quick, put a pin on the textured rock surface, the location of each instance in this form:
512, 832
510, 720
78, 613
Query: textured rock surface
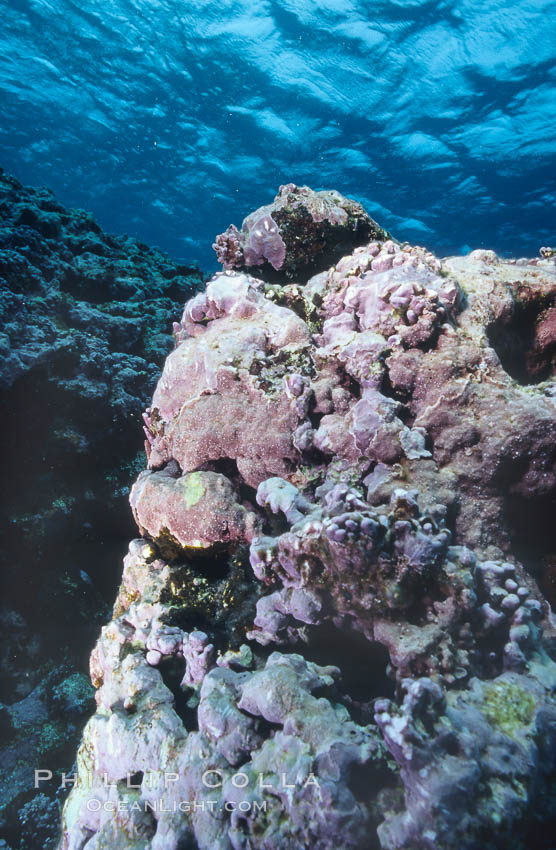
299, 234
389, 429
84, 328
193, 513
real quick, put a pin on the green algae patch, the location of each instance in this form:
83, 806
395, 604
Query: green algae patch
194, 489
508, 707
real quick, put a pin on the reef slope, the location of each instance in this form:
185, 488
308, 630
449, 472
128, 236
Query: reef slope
84, 330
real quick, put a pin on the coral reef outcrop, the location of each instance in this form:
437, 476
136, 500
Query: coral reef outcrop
334, 630
300, 233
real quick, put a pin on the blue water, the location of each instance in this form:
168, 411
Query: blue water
169, 119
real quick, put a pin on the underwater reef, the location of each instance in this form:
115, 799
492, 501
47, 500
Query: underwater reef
334, 628
84, 330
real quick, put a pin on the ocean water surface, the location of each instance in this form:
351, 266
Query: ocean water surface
170, 119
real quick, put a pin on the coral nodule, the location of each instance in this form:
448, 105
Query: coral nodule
334, 629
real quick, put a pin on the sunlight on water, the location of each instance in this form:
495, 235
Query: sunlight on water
169, 120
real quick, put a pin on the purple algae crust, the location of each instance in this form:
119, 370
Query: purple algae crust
343, 580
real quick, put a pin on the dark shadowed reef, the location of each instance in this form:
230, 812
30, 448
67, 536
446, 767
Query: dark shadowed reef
85, 322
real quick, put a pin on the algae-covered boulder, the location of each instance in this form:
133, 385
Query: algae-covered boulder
196, 513
363, 657
300, 233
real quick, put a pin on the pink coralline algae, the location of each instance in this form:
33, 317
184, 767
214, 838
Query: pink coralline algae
225, 383
333, 630
196, 512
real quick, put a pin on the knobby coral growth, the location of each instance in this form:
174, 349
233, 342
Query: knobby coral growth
336, 451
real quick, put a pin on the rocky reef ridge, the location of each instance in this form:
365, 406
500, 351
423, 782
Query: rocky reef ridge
334, 629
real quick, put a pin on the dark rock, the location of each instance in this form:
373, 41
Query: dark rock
84, 328
301, 233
